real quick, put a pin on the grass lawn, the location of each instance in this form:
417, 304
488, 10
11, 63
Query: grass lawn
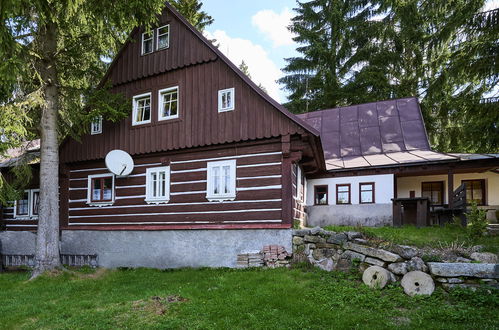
426, 236
231, 299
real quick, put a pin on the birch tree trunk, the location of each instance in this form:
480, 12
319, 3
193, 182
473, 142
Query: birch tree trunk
47, 240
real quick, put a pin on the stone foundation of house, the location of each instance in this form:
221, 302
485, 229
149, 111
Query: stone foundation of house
155, 249
370, 215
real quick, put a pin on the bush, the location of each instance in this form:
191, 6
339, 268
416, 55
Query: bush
477, 219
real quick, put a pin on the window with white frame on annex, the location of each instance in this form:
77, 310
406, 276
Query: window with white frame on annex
158, 184
221, 177
147, 42
226, 100
100, 189
163, 37
27, 206
96, 126
141, 109
168, 103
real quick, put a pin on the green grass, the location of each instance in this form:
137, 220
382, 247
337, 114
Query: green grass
425, 236
232, 299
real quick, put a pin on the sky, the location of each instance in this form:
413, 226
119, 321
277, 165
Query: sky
256, 31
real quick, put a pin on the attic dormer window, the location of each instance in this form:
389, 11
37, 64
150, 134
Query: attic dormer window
147, 43
163, 37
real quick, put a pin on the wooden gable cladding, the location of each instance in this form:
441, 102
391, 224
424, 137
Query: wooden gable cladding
199, 122
185, 49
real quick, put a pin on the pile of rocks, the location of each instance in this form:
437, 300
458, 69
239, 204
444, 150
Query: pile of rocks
271, 256
344, 251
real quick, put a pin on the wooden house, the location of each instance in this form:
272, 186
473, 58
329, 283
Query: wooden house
213, 154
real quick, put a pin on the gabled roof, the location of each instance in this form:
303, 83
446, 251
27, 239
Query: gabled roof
203, 55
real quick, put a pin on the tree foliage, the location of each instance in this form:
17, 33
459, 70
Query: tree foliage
327, 33
191, 10
444, 52
52, 55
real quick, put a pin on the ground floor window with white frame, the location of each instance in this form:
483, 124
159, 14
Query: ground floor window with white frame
27, 206
158, 185
221, 180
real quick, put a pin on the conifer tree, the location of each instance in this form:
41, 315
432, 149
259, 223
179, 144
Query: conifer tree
326, 31
191, 10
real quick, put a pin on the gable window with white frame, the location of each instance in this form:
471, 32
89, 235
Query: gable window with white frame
27, 206
168, 103
158, 185
96, 126
226, 100
163, 37
141, 109
100, 190
221, 177
147, 43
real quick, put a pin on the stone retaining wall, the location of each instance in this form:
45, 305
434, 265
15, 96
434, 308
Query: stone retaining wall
349, 250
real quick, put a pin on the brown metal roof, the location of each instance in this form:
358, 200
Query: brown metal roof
381, 133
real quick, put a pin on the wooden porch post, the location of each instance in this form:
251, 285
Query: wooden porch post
450, 188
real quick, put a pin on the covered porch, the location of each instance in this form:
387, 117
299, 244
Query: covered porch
426, 191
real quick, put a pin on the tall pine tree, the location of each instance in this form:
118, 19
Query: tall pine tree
191, 10
326, 33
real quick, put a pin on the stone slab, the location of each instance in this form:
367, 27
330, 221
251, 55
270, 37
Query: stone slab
464, 269
372, 252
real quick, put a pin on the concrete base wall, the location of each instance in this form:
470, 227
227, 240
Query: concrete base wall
156, 249
371, 215
17, 242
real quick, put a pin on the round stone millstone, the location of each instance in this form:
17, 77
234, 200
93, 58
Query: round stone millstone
376, 277
417, 283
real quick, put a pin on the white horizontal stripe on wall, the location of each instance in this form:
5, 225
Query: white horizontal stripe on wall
188, 182
258, 165
168, 223
126, 187
130, 197
259, 188
261, 177
172, 213
88, 170
76, 189
79, 179
173, 204
188, 192
226, 157
77, 200
189, 171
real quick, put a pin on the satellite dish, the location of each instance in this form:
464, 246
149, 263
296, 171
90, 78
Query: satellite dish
119, 162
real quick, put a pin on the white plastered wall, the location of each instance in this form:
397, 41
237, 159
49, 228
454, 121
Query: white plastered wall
383, 186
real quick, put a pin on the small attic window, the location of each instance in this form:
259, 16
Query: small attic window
163, 37
226, 99
96, 126
147, 43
